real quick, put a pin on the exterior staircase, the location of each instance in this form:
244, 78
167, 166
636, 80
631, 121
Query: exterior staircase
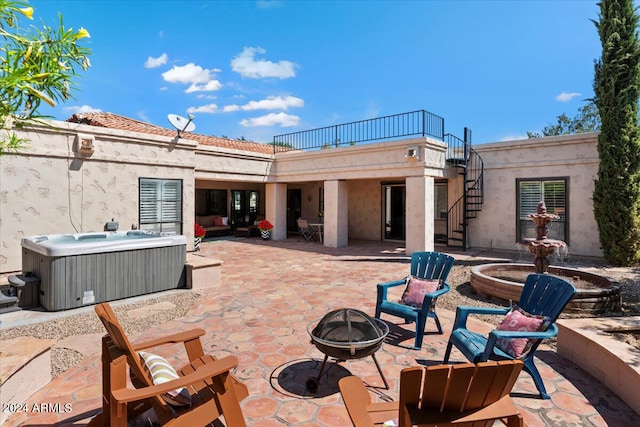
469, 164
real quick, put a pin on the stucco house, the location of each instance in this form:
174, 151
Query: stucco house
423, 189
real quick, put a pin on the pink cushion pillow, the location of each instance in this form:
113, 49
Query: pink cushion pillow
217, 221
519, 320
416, 289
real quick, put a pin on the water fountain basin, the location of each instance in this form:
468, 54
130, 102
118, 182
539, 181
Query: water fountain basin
543, 248
595, 294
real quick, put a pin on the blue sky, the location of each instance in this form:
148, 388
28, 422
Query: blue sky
255, 69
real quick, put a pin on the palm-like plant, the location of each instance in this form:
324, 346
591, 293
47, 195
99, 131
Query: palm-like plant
36, 65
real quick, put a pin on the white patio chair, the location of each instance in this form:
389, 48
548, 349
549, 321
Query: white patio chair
306, 230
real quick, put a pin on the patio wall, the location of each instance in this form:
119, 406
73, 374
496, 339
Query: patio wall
225, 164
365, 168
384, 160
50, 188
573, 156
365, 209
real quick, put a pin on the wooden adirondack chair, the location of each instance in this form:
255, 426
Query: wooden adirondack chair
442, 395
214, 390
424, 265
543, 295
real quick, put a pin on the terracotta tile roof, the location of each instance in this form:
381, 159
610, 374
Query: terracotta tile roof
114, 121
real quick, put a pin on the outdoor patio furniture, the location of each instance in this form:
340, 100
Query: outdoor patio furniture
201, 392
347, 334
524, 327
442, 395
306, 230
214, 224
425, 266
250, 230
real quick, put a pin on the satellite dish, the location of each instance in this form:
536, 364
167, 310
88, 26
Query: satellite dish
182, 124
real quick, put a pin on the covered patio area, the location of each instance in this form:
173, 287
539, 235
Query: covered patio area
271, 291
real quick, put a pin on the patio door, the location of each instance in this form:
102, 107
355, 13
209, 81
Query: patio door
244, 207
394, 198
294, 208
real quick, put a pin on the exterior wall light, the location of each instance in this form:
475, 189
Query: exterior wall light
85, 144
413, 153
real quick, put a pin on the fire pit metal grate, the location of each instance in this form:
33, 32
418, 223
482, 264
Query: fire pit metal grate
346, 334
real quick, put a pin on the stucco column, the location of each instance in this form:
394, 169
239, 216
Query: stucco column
276, 209
419, 214
336, 222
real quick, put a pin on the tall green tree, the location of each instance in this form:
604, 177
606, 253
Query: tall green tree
36, 65
616, 198
587, 120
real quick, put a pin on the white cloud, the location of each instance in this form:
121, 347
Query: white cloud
274, 103
230, 108
190, 73
247, 66
567, 96
272, 119
79, 109
152, 62
210, 86
209, 108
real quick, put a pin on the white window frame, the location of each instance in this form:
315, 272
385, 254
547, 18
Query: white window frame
160, 205
557, 202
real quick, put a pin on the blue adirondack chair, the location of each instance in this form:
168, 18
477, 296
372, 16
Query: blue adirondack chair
425, 265
542, 295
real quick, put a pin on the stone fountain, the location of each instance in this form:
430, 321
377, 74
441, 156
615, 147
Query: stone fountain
595, 294
541, 247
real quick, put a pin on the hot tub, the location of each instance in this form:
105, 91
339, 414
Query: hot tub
88, 268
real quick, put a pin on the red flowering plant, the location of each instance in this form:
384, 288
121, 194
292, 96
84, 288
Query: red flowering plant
198, 231
265, 225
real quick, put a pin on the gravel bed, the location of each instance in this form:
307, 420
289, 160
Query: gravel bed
88, 323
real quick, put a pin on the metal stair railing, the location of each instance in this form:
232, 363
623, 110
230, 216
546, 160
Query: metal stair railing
461, 154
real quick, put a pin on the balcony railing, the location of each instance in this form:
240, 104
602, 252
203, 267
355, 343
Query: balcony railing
414, 123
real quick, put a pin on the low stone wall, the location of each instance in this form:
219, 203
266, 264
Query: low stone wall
587, 343
202, 272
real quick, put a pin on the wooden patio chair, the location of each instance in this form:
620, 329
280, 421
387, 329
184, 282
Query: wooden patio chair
213, 390
425, 266
542, 300
443, 395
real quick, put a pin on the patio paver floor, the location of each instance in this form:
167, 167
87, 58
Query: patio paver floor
270, 292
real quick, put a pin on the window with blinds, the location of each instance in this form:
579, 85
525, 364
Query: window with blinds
554, 193
161, 205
